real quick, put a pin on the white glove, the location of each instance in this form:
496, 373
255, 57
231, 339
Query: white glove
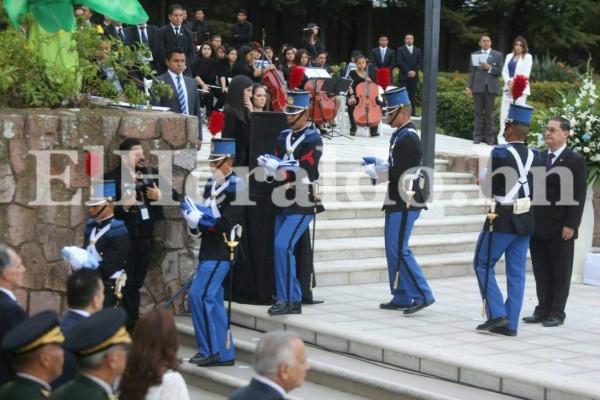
370, 169
269, 164
78, 258
190, 213
291, 165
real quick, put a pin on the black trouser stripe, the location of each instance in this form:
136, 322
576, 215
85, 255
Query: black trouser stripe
414, 281
204, 311
289, 255
481, 286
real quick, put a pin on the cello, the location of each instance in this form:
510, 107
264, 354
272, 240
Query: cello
275, 84
367, 112
323, 108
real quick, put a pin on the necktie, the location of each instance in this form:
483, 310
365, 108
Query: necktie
176, 31
121, 34
382, 55
181, 96
485, 56
144, 36
549, 161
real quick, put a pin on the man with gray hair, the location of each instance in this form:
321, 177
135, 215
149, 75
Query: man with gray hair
281, 363
11, 313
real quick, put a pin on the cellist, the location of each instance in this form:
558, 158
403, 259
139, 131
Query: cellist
358, 76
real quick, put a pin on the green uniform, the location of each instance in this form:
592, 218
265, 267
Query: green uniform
81, 387
21, 388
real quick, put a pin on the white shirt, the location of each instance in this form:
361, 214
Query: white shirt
557, 153
179, 28
270, 383
80, 312
410, 48
173, 387
185, 93
8, 293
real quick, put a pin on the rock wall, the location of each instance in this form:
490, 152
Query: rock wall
37, 231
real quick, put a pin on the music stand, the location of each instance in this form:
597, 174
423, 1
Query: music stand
337, 87
314, 75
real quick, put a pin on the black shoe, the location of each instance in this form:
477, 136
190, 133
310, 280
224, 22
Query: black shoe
312, 301
286, 307
394, 306
418, 307
490, 143
323, 132
374, 134
534, 319
476, 141
492, 323
201, 359
551, 322
352, 131
198, 357
504, 331
218, 363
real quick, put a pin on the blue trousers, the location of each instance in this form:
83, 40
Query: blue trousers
515, 249
288, 229
412, 285
208, 311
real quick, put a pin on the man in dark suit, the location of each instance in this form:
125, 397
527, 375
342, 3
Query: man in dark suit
508, 226
242, 31
281, 363
173, 35
108, 27
383, 56
556, 223
85, 296
483, 87
409, 61
185, 99
36, 355
201, 27
11, 313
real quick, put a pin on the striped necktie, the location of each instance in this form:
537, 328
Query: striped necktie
181, 96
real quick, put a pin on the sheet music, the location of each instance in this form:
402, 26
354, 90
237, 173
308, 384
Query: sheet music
312, 73
477, 59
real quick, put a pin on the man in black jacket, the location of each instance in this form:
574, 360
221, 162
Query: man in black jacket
201, 27
137, 188
242, 31
383, 56
409, 60
171, 36
552, 244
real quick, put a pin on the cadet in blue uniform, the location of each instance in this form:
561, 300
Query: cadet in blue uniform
35, 353
297, 154
509, 224
216, 224
406, 197
106, 238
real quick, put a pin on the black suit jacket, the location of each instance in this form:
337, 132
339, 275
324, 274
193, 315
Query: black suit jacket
389, 59
256, 390
408, 62
166, 40
132, 37
173, 103
550, 219
11, 314
67, 322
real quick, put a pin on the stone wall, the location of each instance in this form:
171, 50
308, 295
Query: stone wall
38, 232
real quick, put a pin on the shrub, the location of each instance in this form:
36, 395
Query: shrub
548, 69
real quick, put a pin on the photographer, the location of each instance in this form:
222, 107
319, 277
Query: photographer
137, 190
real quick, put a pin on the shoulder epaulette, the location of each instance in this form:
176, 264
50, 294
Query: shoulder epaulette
500, 151
235, 185
284, 133
536, 152
117, 228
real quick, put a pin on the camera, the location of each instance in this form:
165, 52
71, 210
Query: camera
139, 186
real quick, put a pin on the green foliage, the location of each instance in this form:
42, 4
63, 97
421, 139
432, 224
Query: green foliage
28, 80
549, 69
455, 114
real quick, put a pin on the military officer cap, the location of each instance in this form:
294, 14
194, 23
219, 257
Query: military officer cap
221, 149
100, 331
396, 98
33, 333
520, 114
102, 192
298, 101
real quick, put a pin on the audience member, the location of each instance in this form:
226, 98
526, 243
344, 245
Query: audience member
485, 66
259, 98
204, 72
409, 61
34, 351
281, 363
237, 117
11, 313
201, 27
152, 364
382, 56
174, 36
241, 32
311, 42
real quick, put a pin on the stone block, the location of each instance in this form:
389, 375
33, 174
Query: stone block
154, 286
55, 215
36, 267
109, 128
44, 300
178, 181
18, 155
191, 127
185, 159
173, 130
7, 184
56, 278
175, 234
68, 132
19, 224
42, 131
22, 297
78, 215
170, 269
26, 187
187, 266
53, 239
77, 175
136, 126
13, 126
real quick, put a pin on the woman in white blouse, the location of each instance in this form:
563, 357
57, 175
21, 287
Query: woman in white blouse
152, 363
518, 62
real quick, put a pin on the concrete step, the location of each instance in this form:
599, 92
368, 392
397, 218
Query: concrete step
369, 247
343, 228
200, 394
361, 193
333, 376
358, 176
331, 162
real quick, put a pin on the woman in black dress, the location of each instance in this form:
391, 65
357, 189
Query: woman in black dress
310, 41
204, 71
359, 75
